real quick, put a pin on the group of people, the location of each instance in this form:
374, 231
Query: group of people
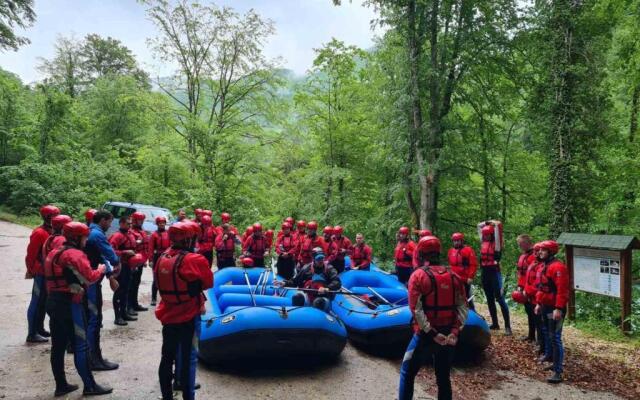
68, 260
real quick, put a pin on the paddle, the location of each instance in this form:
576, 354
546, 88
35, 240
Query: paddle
379, 295
246, 278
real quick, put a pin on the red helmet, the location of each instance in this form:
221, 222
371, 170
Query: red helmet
60, 220
88, 215
49, 211
257, 227
137, 260
247, 262
457, 236
302, 224
197, 211
403, 230
312, 226
160, 219
180, 231
551, 246
226, 217
289, 220
536, 246
338, 230
206, 220
286, 225
207, 212
249, 230
518, 297
429, 244
138, 216
269, 233
194, 228
424, 232
72, 230
488, 230
328, 230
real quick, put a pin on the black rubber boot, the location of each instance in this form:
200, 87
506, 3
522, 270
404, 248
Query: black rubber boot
120, 321
555, 378
139, 307
507, 331
68, 388
128, 317
97, 390
132, 312
44, 333
36, 339
98, 363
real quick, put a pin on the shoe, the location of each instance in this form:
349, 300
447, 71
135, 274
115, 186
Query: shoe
548, 368
103, 365
129, 317
132, 312
138, 307
494, 327
555, 378
97, 390
120, 321
65, 389
543, 359
36, 339
507, 331
153, 302
178, 387
44, 333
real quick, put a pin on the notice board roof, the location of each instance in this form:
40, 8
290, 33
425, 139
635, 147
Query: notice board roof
613, 242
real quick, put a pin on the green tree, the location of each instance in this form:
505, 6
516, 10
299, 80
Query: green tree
14, 13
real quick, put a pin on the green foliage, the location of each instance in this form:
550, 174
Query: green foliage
14, 13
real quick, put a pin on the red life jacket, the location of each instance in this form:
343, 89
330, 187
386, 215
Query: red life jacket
287, 242
531, 280
316, 282
307, 246
546, 285
359, 254
257, 246
172, 288
487, 254
161, 241
228, 248
54, 273
522, 266
53, 242
142, 245
439, 304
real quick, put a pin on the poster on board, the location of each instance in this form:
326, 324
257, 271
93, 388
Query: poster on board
596, 271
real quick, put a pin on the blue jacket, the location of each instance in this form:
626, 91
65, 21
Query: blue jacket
98, 248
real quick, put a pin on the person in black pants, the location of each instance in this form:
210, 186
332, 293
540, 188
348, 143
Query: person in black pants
492, 279
124, 243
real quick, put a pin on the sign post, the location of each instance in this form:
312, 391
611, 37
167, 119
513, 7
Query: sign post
600, 264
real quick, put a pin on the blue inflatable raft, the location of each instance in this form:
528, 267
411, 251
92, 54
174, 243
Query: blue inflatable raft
254, 320
381, 316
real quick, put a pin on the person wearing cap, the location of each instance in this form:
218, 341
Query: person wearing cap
181, 304
403, 255
69, 273
286, 251
226, 247
256, 246
300, 232
34, 261
360, 254
319, 278
207, 238
158, 243
225, 218
490, 256
339, 248
327, 235
522, 266
88, 216
57, 238
142, 248
552, 298
464, 263
99, 251
124, 244
309, 242
437, 300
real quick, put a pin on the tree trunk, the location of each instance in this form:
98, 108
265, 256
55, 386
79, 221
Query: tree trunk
633, 124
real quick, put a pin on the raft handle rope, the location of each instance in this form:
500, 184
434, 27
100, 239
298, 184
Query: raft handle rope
277, 309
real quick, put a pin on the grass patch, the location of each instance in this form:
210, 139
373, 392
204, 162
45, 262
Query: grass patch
27, 220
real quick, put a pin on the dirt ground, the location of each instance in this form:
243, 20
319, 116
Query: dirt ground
25, 372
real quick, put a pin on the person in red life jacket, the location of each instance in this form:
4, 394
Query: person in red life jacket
524, 262
247, 233
256, 246
327, 235
286, 250
423, 232
57, 238
181, 276
288, 220
208, 213
124, 244
552, 298
226, 247
360, 254
197, 215
339, 248
437, 300
403, 255
142, 248
309, 242
301, 231
69, 274
158, 243
269, 235
88, 216
530, 291
34, 260
226, 219
463, 262
207, 239
319, 278
182, 215
492, 278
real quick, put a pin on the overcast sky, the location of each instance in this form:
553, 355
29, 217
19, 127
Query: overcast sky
301, 25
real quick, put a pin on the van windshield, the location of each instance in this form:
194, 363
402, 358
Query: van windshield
152, 213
